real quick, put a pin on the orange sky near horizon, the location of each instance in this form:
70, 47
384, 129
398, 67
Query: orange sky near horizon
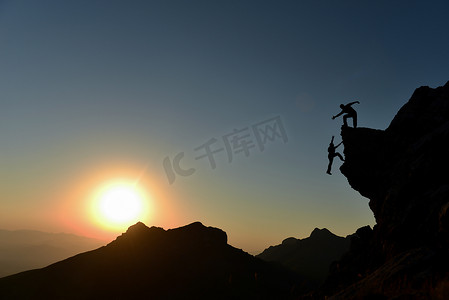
86, 220
71, 209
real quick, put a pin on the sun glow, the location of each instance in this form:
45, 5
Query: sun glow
119, 205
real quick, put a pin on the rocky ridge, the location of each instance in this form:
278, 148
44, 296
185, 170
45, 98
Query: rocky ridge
403, 172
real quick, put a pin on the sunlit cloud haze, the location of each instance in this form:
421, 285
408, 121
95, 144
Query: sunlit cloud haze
97, 91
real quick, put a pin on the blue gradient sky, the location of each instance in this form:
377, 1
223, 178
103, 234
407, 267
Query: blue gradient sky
94, 90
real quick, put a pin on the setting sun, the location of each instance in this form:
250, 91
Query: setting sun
119, 205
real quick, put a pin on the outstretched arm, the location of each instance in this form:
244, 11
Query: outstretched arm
338, 145
336, 116
351, 103
332, 140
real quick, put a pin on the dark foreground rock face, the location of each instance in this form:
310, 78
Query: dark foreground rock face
404, 172
191, 262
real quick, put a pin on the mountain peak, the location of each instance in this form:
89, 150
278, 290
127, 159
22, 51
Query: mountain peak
319, 233
192, 235
311, 257
198, 233
190, 262
138, 227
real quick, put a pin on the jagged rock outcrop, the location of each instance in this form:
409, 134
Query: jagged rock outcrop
192, 235
191, 262
403, 171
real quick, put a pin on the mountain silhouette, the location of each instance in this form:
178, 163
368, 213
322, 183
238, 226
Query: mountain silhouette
403, 172
191, 262
310, 257
22, 250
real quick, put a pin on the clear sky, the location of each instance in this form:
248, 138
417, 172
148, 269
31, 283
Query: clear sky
97, 91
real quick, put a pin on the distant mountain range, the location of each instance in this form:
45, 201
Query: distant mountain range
310, 257
191, 262
23, 250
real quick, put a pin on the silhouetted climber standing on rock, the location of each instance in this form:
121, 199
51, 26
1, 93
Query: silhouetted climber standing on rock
349, 113
332, 154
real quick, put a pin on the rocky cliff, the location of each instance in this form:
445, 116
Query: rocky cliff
403, 170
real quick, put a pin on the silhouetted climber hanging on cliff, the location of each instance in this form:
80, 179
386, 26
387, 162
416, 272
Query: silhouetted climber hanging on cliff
332, 154
349, 113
